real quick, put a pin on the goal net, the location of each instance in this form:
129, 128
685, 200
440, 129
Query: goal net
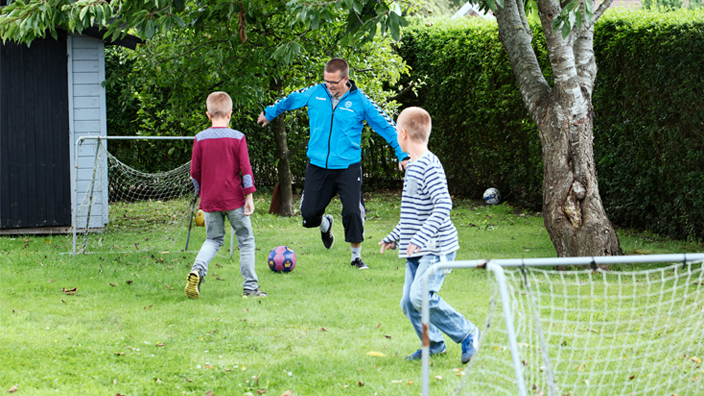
120, 209
589, 331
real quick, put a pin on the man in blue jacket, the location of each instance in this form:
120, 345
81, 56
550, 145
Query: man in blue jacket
337, 110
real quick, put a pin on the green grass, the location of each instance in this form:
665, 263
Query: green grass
130, 329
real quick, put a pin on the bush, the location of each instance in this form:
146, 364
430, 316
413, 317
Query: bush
649, 123
649, 127
482, 132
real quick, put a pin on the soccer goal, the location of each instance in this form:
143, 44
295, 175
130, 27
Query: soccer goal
634, 330
120, 209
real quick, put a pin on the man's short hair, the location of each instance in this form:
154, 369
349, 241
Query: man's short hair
219, 104
335, 65
416, 122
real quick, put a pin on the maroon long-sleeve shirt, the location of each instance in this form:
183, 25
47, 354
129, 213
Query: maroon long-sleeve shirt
219, 157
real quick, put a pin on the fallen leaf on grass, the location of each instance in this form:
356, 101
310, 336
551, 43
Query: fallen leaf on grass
396, 381
375, 353
160, 345
411, 382
438, 377
695, 379
387, 336
129, 282
13, 389
157, 380
51, 280
64, 302
377, 326
168, 287
113, 285
219, 278
696, 360
208, 366
70, 291
187, 380
209, 393
213, 332
360, 383
631, 377
119, 353
261, 391
145, 308
287, 393
323, 329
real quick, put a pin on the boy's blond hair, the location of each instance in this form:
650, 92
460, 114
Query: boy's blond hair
219, 104
416, 122
335, 65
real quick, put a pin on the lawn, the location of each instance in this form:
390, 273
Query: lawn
129, 329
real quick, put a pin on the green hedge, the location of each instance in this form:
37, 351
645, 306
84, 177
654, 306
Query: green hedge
649, 129
481, 131
648, 100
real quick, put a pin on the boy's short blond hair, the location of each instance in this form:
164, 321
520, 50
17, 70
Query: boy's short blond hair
219, 104
416, 122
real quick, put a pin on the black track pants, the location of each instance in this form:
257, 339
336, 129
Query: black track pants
321, 186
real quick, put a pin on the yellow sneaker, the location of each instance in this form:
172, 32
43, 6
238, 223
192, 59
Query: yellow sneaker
193, 285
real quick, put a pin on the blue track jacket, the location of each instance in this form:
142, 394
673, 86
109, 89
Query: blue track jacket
336, 136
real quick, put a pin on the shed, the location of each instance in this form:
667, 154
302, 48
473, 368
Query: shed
50, 95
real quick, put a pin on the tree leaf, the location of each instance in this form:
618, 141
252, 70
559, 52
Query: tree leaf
566, 29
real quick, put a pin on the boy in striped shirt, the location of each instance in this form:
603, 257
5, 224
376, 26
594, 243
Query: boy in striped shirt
425, 235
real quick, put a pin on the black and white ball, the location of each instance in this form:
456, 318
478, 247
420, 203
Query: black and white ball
492, 196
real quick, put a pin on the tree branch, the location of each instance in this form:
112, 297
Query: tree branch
403, 92
298, 148
599, 12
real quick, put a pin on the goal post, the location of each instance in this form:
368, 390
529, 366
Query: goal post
115, 205
638, 330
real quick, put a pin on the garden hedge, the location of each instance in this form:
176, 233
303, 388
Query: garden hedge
648, 103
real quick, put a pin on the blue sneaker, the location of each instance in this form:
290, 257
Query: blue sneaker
470, 345
417, 355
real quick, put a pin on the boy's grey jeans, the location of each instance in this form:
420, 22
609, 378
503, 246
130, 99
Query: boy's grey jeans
215, 229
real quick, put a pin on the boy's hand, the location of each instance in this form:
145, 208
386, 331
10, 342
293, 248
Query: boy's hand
248, 205
412, 249
262, 120
403, 165
387, 246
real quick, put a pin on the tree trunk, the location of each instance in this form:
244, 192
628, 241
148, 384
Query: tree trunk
283, 166
573, 213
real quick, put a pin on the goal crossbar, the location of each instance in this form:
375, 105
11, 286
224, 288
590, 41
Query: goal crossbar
497, 267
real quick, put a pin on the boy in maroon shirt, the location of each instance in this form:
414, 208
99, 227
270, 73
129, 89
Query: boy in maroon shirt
223, 178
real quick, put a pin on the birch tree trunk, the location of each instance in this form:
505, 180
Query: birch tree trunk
573, 213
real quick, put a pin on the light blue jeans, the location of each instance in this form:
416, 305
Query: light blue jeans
442, 316
215, 230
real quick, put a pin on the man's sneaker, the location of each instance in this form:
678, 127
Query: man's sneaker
359, 264
193, 284
470, 345
328, 237
254, 293
417, 355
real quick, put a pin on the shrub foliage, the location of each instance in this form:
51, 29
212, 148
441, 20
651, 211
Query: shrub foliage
649, 114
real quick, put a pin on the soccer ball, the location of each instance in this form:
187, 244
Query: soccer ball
492, 196
200, 218
282, 259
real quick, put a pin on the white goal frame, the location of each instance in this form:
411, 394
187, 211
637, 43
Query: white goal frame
497, 267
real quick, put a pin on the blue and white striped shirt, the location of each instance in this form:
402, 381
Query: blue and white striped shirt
425, 210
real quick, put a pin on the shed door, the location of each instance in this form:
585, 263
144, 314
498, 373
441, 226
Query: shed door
35, 185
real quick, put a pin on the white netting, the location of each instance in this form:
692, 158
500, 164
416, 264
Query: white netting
124, 207
603, 333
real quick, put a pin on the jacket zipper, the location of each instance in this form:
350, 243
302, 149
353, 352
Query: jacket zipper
332, 119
